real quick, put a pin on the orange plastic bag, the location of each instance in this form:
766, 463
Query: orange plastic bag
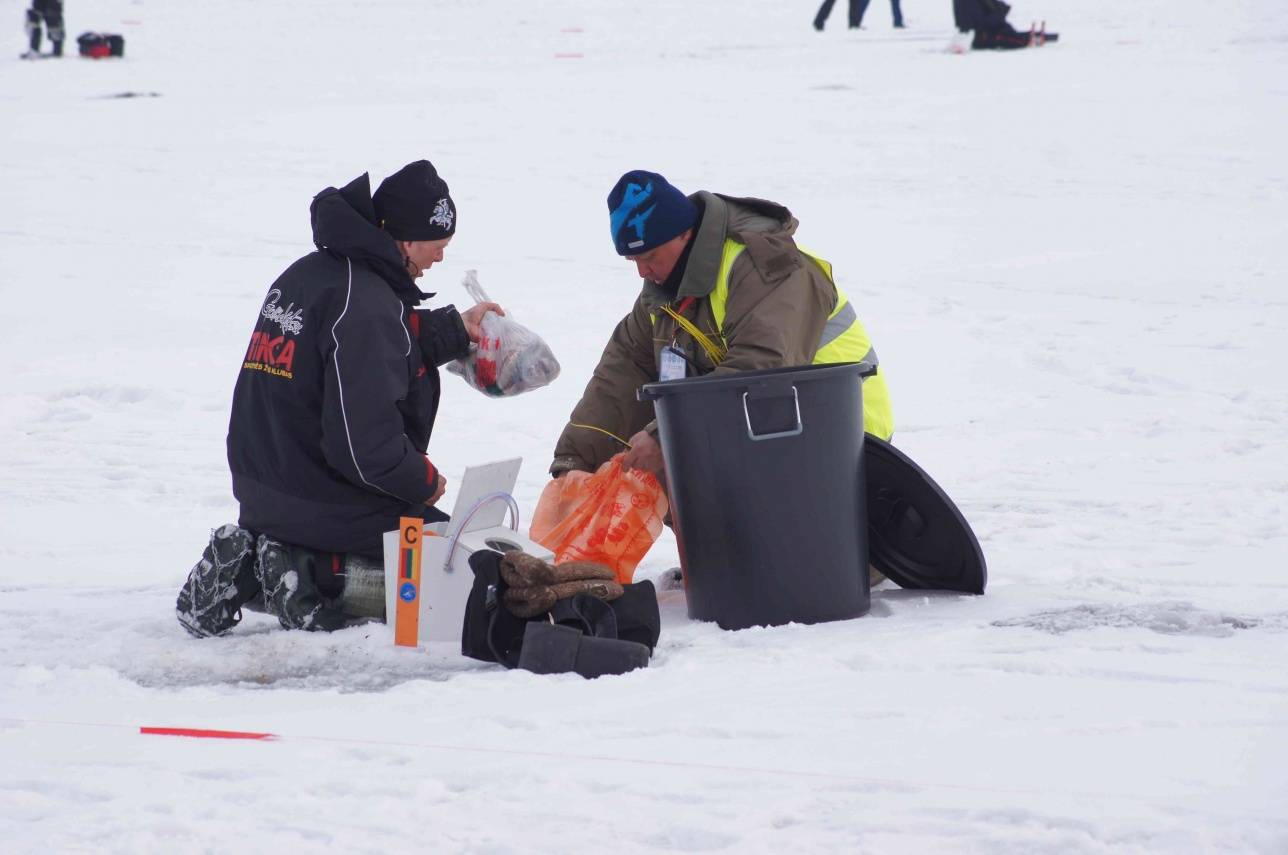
611, 517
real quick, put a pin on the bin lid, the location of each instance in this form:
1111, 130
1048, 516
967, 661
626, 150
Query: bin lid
916, 535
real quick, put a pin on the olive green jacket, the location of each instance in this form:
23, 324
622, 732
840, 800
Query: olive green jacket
779, 300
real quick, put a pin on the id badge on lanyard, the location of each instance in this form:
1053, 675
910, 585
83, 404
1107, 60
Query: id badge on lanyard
673, 365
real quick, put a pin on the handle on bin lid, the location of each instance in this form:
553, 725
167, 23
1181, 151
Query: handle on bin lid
867, 369
757, 437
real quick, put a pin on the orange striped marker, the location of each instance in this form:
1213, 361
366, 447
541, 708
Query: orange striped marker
407, 613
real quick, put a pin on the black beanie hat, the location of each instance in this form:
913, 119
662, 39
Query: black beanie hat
413, 204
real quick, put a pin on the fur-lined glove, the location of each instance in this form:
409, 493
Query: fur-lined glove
535, 585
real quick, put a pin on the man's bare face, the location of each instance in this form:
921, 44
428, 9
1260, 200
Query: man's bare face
422, 254
656, 264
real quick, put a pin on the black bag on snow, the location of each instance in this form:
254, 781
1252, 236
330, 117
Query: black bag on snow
99, 45
582, 634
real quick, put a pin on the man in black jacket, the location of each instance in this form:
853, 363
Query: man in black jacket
334, 407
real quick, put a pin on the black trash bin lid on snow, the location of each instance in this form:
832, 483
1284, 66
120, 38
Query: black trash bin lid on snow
916, 535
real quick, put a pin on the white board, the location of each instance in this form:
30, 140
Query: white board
477, 482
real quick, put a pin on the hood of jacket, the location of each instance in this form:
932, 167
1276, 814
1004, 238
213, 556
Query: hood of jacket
344, 222
766, 228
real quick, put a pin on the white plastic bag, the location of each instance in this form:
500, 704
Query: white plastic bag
509, 358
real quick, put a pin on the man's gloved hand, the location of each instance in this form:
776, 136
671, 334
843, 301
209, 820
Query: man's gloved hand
535, 585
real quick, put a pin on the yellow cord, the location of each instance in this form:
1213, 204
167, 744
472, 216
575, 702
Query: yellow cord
601, 430
716, 352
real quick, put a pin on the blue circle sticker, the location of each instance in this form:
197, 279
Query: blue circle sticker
407, 592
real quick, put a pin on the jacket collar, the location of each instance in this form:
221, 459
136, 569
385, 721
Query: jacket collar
703, 262
765, 227
344, 222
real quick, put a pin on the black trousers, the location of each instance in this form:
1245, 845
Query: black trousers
857, 8
50, 12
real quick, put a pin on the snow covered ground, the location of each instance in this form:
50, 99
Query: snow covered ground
1073, 262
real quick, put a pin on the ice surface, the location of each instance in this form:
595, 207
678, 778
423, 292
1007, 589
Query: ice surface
1071, 260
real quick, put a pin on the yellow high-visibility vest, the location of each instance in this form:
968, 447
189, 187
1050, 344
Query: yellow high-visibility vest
843, 340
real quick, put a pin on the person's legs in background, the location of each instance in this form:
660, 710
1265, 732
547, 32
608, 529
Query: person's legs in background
823, 12
54, 25
50, 14
34, 33
857, 8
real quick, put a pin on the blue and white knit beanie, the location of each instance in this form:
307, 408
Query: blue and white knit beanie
645, 211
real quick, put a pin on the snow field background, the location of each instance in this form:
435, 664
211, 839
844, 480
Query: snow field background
1071, 262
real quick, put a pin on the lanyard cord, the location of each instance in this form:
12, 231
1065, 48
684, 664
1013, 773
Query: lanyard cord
716, 352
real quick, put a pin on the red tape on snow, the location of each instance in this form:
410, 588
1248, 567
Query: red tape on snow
199, 733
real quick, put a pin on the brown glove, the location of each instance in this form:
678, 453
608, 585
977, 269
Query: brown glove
536, 585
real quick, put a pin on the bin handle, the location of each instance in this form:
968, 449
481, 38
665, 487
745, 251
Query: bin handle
757, 437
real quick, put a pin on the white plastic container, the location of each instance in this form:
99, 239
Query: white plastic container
445, 581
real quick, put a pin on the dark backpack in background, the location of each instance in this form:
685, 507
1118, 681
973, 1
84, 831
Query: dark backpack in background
101, 45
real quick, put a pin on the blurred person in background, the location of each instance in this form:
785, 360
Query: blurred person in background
987, 20
857, 8
50, 14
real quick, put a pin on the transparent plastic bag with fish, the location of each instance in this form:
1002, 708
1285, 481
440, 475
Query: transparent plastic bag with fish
509, 359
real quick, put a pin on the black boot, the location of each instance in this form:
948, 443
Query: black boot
550, 648
210, 601
289, 576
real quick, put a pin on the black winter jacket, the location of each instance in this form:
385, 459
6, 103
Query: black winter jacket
339, 388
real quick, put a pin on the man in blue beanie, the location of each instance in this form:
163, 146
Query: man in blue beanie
726, 289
